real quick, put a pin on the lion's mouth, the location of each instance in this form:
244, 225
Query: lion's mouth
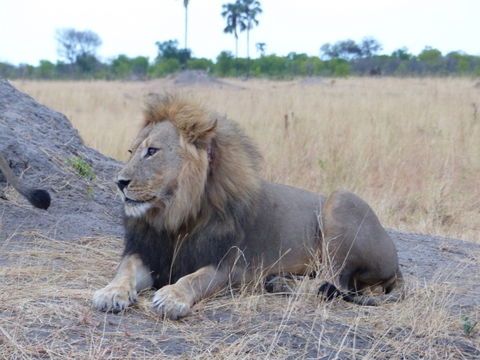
136, 208
137, 202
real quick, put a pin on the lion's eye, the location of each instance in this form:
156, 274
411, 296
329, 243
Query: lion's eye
151, 151
130, 151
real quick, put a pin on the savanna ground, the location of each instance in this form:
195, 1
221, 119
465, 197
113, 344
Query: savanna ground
408, 146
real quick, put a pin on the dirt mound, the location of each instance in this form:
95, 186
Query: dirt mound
43, 147
52, 261
198, 77
312, 80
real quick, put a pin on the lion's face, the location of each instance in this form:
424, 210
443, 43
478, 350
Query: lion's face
149, 179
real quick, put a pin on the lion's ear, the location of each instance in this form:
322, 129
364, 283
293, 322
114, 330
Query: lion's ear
204, 137
210, 131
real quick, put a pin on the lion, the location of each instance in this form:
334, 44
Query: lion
37, 197
197, 217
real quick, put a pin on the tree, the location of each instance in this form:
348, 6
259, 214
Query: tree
271, 65
73, 44
350, 50
46, 69
225, 64
169, 50
327, 52
432, 58
347, 49
459, 63
344, 49
200, 64
139, 66
370, 47
123, 66
165, 67
249, 9
430, 55
232, 12
402, 54
8, 71
185, 4
87, 63
261, 48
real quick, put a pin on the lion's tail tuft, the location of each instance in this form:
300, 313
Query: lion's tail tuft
39, 198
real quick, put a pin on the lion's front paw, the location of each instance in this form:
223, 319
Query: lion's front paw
170, 302
114, 298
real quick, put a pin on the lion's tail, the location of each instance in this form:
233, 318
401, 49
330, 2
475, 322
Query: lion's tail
37, 197
330, 292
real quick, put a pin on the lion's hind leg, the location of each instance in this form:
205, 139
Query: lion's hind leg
353, 292
359, 251
351, 289
280, 284
329, 291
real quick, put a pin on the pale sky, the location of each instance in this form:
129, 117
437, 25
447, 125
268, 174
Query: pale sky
27, 27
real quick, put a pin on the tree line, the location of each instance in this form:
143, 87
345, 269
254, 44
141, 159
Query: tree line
78, 53
171, 59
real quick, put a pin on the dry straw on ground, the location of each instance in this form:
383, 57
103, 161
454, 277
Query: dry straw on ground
408, 146
45, 301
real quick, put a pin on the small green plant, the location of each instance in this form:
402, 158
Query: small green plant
90, 191
82, 167
468, 325
322, 163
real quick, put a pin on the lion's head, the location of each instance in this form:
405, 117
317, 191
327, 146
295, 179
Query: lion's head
185, 164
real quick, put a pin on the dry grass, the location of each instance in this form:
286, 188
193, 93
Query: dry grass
45, 312
408, 146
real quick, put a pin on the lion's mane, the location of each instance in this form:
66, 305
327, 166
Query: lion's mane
215, 196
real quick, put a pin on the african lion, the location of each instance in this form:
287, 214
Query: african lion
37, 197
197, 216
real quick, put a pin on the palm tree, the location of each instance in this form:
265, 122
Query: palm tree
233, 14
249, 10
261, 48
185, 4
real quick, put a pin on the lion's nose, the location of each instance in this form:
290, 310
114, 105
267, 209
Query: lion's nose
122, 184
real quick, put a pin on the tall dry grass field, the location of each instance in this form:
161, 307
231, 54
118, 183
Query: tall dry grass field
410, 147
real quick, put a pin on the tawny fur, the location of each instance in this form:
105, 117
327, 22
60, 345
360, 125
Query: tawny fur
198, 216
